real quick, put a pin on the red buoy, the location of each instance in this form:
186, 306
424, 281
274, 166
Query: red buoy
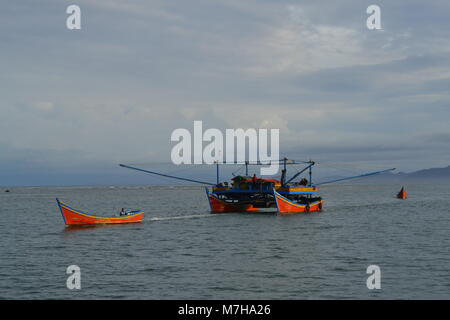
402, 194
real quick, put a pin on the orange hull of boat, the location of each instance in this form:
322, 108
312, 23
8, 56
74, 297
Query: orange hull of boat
286, 206
74, 217
220, 206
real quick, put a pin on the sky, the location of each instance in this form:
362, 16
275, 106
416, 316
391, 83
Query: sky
75, 103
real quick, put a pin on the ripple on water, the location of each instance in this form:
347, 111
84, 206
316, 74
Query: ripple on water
182, 251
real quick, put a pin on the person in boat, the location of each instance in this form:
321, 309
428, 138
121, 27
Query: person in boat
122, 212
283, 176
303, 182
254, 178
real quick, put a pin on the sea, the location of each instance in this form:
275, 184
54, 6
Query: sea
182, 251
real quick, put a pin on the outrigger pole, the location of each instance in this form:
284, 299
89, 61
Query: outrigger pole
354, 177
167, 176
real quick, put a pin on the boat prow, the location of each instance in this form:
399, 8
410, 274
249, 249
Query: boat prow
73, 217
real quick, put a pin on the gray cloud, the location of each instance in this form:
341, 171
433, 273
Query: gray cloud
114, 91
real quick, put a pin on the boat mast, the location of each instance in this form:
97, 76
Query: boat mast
283, 172
217, 171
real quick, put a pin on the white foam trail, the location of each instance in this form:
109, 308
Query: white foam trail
181, 217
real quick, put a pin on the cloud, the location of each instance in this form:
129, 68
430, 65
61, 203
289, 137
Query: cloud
304, 47
137, 70
43, 105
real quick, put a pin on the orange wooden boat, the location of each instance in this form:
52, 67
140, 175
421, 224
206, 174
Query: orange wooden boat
222, 206
286, 206
402, 194
73, 217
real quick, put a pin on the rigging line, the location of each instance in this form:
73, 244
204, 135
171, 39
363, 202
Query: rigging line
150, 163
351, 165
166, 175
354, 177
170, 170
300, 172
258, 162
181, 169
239, 169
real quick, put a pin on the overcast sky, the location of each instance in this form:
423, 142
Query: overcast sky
82, 101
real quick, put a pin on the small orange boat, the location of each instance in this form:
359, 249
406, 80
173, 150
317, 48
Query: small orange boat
402, 194
286, 206
73, 217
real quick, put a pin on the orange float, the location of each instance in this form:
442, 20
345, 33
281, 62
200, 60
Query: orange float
402, 194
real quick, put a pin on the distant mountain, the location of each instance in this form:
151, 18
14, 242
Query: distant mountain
421, 175
430, 174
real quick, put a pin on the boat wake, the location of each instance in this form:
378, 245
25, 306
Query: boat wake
193, 216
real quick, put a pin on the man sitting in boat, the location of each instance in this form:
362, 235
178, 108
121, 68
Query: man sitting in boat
123, 212
303, 182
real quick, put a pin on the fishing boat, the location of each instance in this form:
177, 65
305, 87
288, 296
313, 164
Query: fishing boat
74, 217
261, 195
255, 194
402, 194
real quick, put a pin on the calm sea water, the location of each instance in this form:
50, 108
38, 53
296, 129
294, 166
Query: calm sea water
181, 251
